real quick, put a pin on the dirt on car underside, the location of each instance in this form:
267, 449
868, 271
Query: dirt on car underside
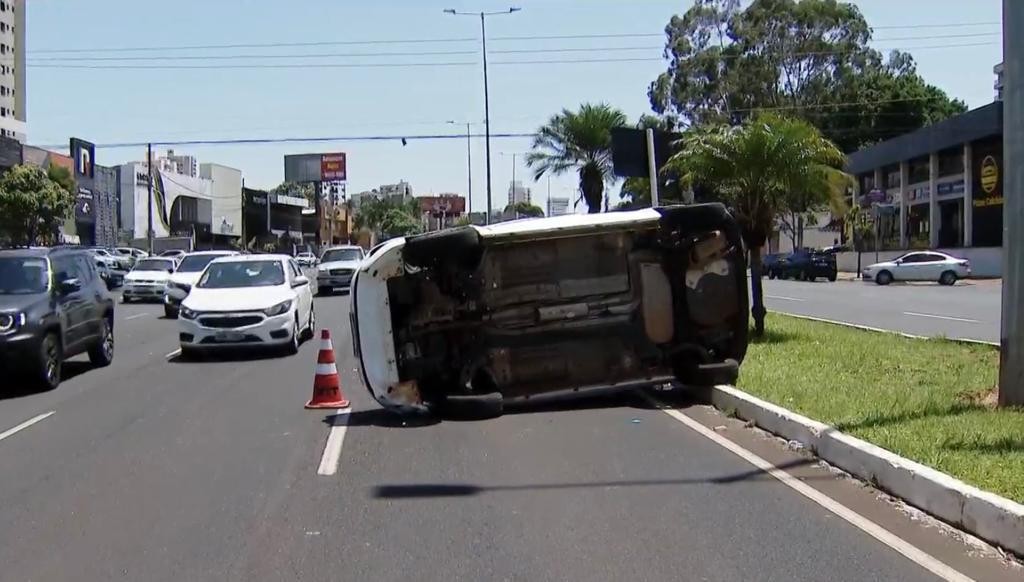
524, 316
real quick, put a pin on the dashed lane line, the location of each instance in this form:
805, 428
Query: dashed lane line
26, 424
335, 440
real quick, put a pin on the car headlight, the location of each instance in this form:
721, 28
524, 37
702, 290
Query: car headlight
11, 321
187, 313
278, 309
181, 286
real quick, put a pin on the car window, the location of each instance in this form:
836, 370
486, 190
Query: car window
154, 265
23, 275
932, 257
239, 274
196, 263
65, 268
342, 255
296, 272
912, 258
85, 269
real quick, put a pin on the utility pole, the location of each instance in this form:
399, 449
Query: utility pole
1011, 348
487, 90
149, 199
469, 168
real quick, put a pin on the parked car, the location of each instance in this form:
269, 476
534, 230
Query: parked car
768, 262
919, 266
113, 279
552, 305
53, 305
805, 265
187, 272
148, 280
108, 258
248, 301
337, 266
176, 254
131, 254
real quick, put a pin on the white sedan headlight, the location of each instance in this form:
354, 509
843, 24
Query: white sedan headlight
278, 309
187, 313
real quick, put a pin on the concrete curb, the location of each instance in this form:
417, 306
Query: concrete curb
985, 515
961, 340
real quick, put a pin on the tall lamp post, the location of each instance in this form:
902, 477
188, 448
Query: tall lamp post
487, 99
469, 169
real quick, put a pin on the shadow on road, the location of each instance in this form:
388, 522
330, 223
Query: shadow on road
230, 355
425, 490
381, 418
23, 385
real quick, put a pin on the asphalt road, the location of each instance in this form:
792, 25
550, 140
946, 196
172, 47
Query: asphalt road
155, 469
969, 309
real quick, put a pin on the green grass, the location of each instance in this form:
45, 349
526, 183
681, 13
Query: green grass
927, 400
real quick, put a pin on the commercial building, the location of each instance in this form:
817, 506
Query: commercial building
557, 206
180, 164
441, 211
12, 70
285, 220
518, 193
940, 187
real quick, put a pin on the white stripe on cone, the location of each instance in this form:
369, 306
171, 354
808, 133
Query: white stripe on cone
326, 344
326, 369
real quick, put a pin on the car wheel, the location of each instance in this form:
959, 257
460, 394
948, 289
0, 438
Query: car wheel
102, 354
323, 291
883, 278
311, 327
170, 312
51, 362
125, 298
947, 278
771, 274
292, 347
832, 277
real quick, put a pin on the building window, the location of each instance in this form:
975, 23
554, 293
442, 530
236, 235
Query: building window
918, 171
951, 162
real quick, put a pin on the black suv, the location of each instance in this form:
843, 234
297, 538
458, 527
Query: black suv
53, 305
805, 264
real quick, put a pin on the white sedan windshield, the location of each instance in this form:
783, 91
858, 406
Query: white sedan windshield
242, 274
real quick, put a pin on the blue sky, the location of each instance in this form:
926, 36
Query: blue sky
109, 106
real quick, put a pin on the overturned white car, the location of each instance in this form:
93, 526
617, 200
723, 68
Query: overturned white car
561, 304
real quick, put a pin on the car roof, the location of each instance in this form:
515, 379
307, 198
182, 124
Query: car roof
251, 258
34, 252
214, 253
342, 247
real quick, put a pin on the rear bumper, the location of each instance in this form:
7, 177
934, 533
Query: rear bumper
326, 280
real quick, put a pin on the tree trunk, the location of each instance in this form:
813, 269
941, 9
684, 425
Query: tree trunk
757, 309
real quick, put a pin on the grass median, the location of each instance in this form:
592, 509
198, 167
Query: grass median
928, 400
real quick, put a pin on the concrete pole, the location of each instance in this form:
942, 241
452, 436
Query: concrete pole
904, 206
149, 199
933, 201
968, 195
1011, 359
652, 169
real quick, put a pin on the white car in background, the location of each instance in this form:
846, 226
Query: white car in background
248, 301
186, 274
337, 267
919, 266
306, 259
147, 280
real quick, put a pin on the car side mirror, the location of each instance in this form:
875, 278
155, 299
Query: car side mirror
70, 285
899, 261
300, 281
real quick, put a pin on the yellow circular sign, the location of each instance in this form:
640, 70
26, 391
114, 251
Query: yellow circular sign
989, 174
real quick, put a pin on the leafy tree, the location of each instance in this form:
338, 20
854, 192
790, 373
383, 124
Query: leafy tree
297, 190
32, 206
62, 177
753, 168
524, 209
389, 217
810, 58
581, 141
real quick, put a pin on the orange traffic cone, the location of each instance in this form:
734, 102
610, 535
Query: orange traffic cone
326, 383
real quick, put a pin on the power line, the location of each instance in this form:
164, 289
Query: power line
944, 25
271, 66
236, 57
933, 37
261, 141
581, 36
577, 50
252, 45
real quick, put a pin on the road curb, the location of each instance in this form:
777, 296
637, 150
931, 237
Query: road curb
990, 517
960, 340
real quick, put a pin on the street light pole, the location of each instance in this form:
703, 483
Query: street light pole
149, 198
487, 96
469, 169
1011, 352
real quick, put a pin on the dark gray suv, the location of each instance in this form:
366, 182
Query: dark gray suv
53, 305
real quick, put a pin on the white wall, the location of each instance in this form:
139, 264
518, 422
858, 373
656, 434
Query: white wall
814, 236
985, 262
227, 198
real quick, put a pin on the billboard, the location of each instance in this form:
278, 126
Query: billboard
331, 167
83, 154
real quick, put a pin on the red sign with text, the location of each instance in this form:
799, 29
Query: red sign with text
333, 167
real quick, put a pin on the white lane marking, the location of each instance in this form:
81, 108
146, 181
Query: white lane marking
914, 554
941, 317
26, 424
783, 298
136, 316
176, 352
332, 451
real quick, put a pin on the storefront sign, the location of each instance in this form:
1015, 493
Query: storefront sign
333, 168
84, 155
950, 189
84, 211
989, 175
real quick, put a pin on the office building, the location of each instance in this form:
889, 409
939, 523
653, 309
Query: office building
557, 206
181, 164
12, 69
518, 193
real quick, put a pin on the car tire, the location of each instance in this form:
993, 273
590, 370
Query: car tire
50, 362
833, 277
771, 274
188, 354
883, 278
324, 291
292, 347
170, 312
125, 298
102, 354
311, 326
947, 278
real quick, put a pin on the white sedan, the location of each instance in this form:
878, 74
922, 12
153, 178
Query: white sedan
248, 300
147, 280
919, 266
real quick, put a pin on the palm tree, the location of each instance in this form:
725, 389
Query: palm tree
757, 169
580, 141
